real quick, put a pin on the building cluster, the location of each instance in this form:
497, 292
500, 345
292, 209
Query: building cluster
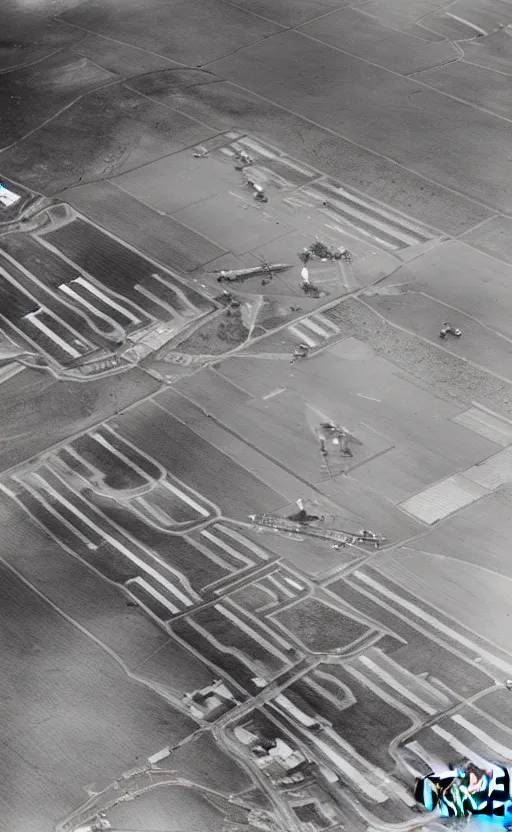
210, 702
275, 758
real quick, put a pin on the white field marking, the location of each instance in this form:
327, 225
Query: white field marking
260, 584
422, 753
213, 557
350, 232
466, 23
156, 513
156, 300
434, 622
229, 549
393, 683
115, 452
255, 636
325, 321
8, 491
274, 393
51, 510
257, 148
33, 319
272, 634
350, 771
491, 412
379, 225
462, 749
298, 203
124, 441
244, 541
295, 585
385, 696
433, 695
280, 587
393, 218
370, 398
496, 746
91, 288
305, 338
288, 706
365, 233
314, 327
44, 307
343, 275
83, 302
210, 639
386, 780
153, 592
115, 543
186, 499
93, 470
176, 289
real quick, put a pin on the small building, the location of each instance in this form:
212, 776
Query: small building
210, 702
279, 761
245, 737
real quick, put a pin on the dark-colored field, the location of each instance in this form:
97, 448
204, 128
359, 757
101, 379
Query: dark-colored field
341, 97
28, 38
421, 654
109, 261
218, 551
176, 668
120, 58
173, 550
173, 31
44, 89
94, 603
62, 311
252, 598
232, 637
228, 106
320, 627
9, 213
195, 461
162, 238
69, 714
114, 471
146, 598
26, 249
14, 303
225, 661
36, 411
369, 725
52, 271
309, 813
151, 470
203, 762
108, 132
173, 506
212, 391
171, 808
105, 308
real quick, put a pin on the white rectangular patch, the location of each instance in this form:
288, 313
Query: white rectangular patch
443, 499
495, 471
486, 425
7, 198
